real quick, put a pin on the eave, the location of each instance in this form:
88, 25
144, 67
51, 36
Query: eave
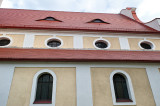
74, 55
80, 29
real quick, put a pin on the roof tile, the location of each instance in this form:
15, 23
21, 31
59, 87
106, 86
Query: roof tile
19, 18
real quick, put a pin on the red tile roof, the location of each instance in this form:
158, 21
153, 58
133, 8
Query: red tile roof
19, 18
13, 54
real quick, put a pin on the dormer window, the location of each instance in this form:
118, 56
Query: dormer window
98, 21
50, 19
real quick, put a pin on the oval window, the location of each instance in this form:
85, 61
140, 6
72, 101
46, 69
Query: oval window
102, 44
146, 45
4, 41
54, 43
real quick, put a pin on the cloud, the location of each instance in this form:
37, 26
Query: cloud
7, 4
146, 9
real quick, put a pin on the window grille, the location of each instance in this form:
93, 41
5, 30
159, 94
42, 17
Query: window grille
44, 89
120, 87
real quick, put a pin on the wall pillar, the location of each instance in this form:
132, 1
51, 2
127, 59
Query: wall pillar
84, 88
124, 43
78, 42
28, 41
6, 75
154, 79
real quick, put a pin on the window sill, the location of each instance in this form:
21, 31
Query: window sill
123, 100
128, 102
42, 102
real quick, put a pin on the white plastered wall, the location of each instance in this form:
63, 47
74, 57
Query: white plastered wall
127, 13
155, 24
82, 71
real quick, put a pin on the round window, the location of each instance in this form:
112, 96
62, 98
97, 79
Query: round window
101, 44
4, 41
146, 45
54, 43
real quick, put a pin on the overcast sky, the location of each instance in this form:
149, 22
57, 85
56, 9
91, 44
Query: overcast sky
146, 9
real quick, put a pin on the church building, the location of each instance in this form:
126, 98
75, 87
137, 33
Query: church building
56, 58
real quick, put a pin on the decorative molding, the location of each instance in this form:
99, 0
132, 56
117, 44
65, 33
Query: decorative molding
131, 13
129, 86
34, 87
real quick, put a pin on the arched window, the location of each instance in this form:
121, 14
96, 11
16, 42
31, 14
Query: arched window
44, 89
120, 87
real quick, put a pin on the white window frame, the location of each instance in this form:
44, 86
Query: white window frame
34, 88
103, 40
54, 38
6, 37
148, 42
129, 87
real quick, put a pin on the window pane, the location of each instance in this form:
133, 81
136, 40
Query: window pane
4, 42
45, 78
146, 46
50, 90
44, 88
101, 44
54, 43
120, 87
44, 93
38, 94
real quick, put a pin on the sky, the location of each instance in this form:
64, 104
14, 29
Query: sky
147, 10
